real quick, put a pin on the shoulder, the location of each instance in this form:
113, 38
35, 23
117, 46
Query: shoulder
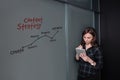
95, 49
98, 50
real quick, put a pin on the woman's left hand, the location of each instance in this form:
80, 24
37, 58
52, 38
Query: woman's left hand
84, 57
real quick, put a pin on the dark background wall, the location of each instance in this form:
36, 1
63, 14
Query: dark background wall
110, 38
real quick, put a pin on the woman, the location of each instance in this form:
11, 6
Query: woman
91, 61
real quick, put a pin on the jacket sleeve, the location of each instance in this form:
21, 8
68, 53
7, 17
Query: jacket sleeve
98, 58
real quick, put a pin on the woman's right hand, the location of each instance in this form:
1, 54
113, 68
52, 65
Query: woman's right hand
77, 57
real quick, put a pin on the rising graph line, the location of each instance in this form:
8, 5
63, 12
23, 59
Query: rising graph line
40, 38
31, 45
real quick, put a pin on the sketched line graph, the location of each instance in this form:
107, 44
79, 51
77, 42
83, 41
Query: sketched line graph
37, 38
50, 37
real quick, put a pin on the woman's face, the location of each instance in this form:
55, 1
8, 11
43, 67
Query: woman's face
88, 38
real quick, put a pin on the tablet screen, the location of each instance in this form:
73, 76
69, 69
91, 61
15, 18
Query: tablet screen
78, 50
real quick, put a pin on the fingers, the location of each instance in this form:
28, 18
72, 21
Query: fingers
82, 55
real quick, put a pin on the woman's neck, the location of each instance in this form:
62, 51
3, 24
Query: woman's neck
87, 46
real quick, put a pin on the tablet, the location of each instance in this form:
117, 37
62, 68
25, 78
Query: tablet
78, 50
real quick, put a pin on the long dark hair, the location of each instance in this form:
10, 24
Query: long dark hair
92, 31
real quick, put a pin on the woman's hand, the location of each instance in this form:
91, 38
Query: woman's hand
84, 57
77, 57
87, 59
